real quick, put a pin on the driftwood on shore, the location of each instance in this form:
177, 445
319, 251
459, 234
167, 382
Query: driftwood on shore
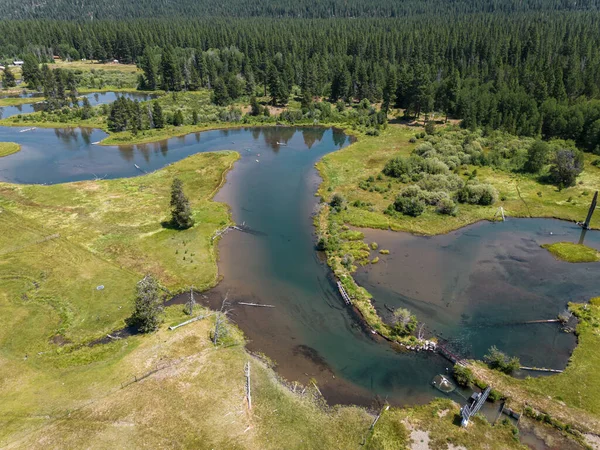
540, 369
174, 327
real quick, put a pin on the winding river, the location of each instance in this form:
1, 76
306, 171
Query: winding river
470, 286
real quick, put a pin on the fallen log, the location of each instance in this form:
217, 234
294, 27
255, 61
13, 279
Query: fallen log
174, 327
256, 304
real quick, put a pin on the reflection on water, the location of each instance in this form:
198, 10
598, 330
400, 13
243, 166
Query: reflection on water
97, 98
70, 154
471, 286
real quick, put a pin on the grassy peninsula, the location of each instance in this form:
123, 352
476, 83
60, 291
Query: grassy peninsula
8, 148
574, 253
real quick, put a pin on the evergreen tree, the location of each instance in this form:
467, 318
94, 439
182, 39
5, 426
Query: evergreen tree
277, 88
8, 79
86, 109
149, 65
148, 308
169, 71
181, 213
31, 72
157, 115
255, 108
220, 95
389, 91
178, 118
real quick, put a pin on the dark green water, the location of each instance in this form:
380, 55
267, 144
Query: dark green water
452, 282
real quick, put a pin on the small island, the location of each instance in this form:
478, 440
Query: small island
8, 148
573, 253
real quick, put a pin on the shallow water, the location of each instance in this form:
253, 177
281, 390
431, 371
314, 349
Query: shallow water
96, 98
476, 286
310, 333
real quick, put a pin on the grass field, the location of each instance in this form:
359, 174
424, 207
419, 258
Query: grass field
58, 244
8, 148
574, 253
523, 195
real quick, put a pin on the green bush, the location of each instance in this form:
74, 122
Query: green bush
478, 194
447, 206
498, 360
463, 375
409, 206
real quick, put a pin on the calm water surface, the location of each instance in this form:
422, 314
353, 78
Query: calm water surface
310, 333
96, 98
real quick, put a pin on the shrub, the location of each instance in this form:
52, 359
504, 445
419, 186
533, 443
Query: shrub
337, 202
397, 167
537, 156
430, 127
463, 375
478, 194
409, 206
498, 360
439, 182
447, 206
404, 322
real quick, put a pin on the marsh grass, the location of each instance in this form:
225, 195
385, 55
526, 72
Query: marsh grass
573, 253
8, 148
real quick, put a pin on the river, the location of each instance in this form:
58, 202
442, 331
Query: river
462, 285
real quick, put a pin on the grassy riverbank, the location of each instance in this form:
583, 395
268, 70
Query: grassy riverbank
574, 253
8, 148
572, 397
16, 101
59, 243
520, 195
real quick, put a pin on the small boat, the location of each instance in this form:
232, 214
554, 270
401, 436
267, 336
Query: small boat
257, 160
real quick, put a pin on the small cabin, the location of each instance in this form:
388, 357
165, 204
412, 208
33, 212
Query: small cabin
115, 61
18, 62
2, 67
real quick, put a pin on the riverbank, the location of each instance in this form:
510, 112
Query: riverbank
8, 148
354, 173
61, 243
569, 398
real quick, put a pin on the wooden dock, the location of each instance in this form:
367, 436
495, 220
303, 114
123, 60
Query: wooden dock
469, 411
344, 294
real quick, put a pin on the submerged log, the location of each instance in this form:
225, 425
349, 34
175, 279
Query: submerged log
256, 304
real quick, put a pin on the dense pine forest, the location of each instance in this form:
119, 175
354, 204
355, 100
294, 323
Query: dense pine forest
111, 9
530, 74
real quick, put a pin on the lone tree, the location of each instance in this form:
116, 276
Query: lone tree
567, 165
147, 314
181, 213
